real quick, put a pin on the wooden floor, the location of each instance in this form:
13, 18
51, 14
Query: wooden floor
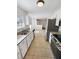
40, 48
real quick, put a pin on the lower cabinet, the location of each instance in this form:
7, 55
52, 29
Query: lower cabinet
55, 50
19, 56
29, 39
24, 45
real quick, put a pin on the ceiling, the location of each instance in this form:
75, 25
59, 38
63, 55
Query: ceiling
47, 10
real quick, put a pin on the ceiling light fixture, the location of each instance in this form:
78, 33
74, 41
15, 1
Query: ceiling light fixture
40, 3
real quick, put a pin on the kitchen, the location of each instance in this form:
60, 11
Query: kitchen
32, 30
38, 25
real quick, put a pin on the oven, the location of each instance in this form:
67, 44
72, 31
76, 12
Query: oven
56, 47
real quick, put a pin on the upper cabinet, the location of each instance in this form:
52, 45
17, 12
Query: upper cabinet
20, 21
57, 15
57, 20
28, 20
24, 20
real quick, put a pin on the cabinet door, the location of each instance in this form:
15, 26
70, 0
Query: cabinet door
29, 39
31, 35
19, 56
23, 47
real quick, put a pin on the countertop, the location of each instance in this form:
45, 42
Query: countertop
21, 37
56, 33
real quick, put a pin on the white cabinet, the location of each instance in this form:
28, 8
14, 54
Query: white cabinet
23, 47
28, 41
27, 20
29, 38
19, 56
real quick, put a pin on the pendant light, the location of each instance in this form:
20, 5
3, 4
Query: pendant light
40, 3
